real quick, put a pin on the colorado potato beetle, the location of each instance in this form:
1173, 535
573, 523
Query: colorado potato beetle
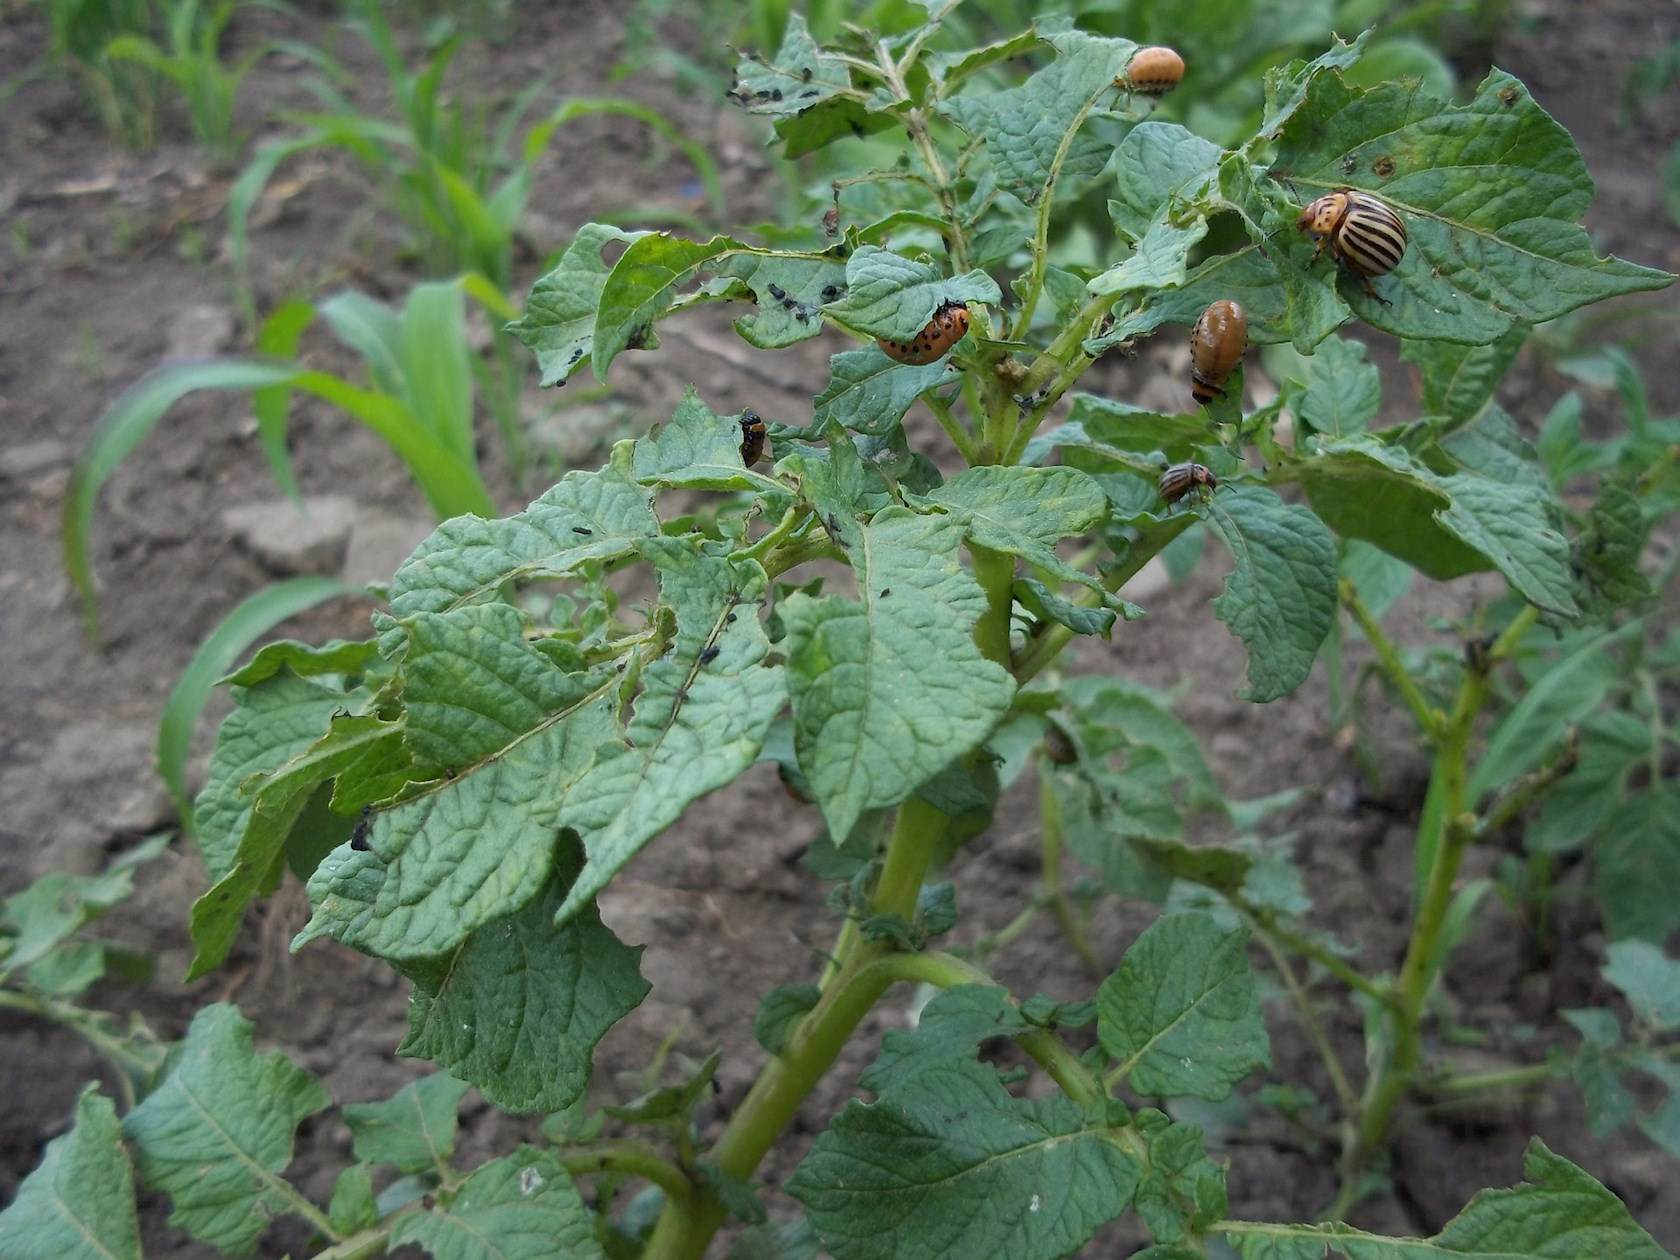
1180, 479
1363, 233
1217, 343
1152, 71
752, 438
944, 330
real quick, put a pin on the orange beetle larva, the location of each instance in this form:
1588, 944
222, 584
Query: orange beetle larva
1216, 347
1178, 481
1152, 71
752, 438
944, 330
1362, 232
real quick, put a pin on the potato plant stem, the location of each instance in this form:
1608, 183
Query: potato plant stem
853, 984
1394, 1074
1050, 877
683, 1233
1429, 719
1039, 653
638, 1159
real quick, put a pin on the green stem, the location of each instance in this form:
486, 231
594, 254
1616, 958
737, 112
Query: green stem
1396, 1073
637, 1159
1312, 951
960, 437
1309, 1017
1050, 847
683, 1232
1529, 1075
130, 1064
1038, 655
1429, 719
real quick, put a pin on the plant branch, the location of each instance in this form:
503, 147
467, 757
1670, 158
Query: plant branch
1305, 1007
1429, 719
1265, 922
1038, 654
636, 1159
683, 1233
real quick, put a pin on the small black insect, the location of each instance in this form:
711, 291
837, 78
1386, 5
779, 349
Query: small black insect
584, 530
358, 833
708, 655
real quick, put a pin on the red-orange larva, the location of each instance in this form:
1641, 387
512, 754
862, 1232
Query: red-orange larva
1178, 481
1152, 71
944, 330
752, 438
1362, 232
1216, 347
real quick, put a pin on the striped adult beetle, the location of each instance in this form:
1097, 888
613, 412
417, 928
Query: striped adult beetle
1364, 233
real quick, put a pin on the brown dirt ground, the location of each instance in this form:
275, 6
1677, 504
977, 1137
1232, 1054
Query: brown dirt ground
102, 270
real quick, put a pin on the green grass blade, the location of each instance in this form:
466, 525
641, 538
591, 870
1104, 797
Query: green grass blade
489, 295
251, 618
437, 368
374, 331
279, 336
450, 486
125, 423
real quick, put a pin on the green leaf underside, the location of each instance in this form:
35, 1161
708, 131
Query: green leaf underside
559, 321
518, 1008
790, 292
413, 1130
1636, 861
584, 518
642, 287
42, 916
889, 689
950, 1165
1445, 526
475, 848
217, 1133
277, 806
275, 720
1560, 1213
1649, 979
1025, 512
78, 1204
1280, 598
696, 724
1343, 391
1180, 1014
521, 1207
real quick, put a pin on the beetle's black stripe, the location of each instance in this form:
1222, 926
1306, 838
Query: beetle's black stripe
1371, 238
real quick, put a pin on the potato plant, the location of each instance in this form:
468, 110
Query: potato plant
460, 787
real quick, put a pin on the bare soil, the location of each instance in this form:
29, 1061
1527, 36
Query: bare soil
111, 264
